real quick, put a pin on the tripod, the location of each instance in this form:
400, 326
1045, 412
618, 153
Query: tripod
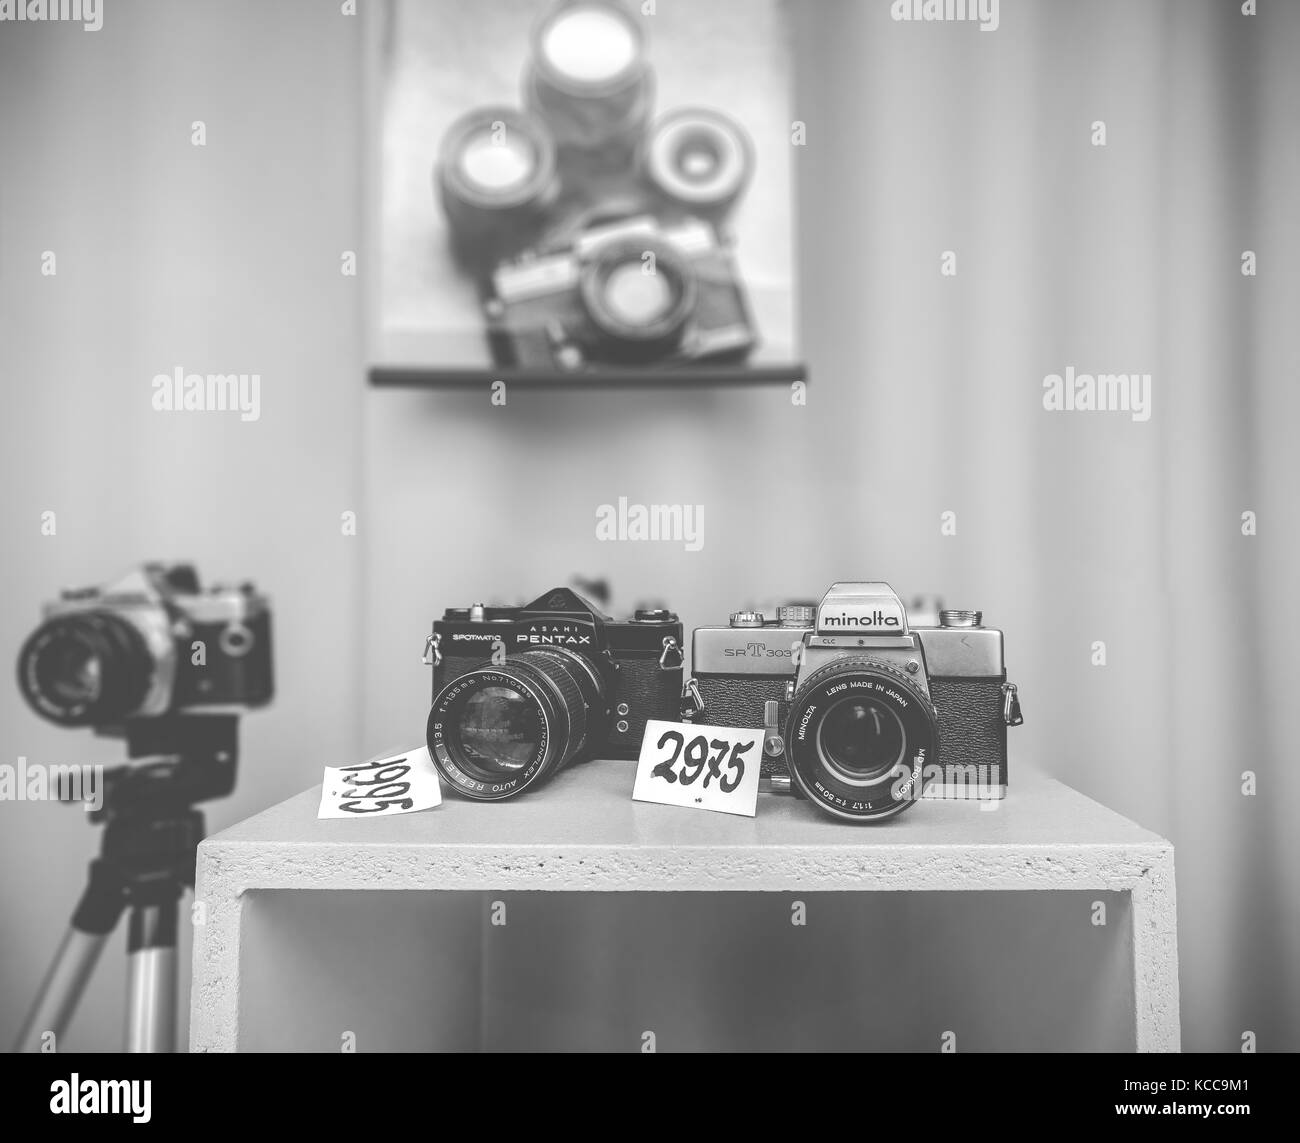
146, 861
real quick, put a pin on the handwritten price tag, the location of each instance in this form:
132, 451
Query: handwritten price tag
699, 767
399, 784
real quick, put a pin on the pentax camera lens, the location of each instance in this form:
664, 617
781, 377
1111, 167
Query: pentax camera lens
495, 731
861, 739
91, 667
700, 160
496, 177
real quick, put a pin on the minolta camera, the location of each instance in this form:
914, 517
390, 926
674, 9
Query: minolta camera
863, 713
632, 292
153, 643
520, 692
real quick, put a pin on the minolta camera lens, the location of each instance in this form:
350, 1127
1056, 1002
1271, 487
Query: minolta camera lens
860, 734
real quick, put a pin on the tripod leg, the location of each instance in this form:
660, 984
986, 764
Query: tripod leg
151, 984
97, 913
61, 989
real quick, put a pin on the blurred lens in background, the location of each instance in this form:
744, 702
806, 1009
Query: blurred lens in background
496, 178
589, 78
699, 160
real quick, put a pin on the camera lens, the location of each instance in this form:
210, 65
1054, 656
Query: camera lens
639, 293
497, 730
91, 667
589, 78
861, 739
496, 177
700, 160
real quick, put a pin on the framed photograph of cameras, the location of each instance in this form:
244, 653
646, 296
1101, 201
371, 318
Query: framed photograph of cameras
580, 191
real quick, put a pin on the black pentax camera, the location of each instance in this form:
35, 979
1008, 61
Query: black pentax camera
151, 644
631, 292
863, 713
519, 692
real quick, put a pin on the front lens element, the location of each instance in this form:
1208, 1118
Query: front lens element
591, 45
860, 740
498, 729
636, 297
496, 165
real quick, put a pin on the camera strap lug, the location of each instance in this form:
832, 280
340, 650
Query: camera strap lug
432, 656
671, 659
1011, 705
692, 701
773, 743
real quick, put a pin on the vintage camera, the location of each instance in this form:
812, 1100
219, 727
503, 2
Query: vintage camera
151, 644
629, 293
519, 692
863, 713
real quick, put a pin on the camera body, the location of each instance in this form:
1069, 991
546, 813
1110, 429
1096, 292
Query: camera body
630, 292
785, 675
150, 644
638, 660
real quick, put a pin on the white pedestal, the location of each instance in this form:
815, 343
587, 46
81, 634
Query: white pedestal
1048, 922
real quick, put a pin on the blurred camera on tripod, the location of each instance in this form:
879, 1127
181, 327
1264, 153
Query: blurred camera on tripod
151, 644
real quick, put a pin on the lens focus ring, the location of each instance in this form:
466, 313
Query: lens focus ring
559, 674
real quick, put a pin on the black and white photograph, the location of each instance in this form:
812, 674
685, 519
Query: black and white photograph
648, 527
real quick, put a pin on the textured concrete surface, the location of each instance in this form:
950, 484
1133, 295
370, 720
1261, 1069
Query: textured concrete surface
583, 832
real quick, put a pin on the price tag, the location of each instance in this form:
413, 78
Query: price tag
399, 784
700, 767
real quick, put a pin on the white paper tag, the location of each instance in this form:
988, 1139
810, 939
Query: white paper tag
399, 784
699, 767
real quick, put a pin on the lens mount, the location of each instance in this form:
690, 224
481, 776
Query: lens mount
639, 293
699, 158
497, 730
861, 739
84, 668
